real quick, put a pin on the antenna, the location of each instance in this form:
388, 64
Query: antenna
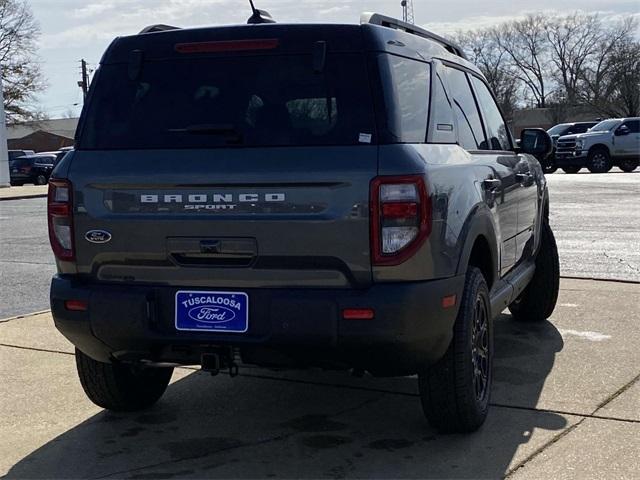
407, 11
259, 16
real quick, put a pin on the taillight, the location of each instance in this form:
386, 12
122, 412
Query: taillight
60, 216
227, 46
400, 218
25, 169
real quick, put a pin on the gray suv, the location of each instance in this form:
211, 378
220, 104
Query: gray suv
342, 196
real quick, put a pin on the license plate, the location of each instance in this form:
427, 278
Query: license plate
199, 311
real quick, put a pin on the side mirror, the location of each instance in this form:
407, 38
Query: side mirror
536, 142
623, 130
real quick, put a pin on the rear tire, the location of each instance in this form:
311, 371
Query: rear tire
538, 300
599, 161
628, 165
41, 180
455, 391
571, 169
121, 387
549, 166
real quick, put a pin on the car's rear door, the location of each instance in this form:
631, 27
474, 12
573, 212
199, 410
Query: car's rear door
239, 172
525, 185
498, 179
628, 145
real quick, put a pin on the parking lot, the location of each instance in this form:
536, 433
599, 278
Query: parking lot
565, 398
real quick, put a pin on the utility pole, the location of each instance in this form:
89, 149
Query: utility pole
84, 83
407, 11
4, 154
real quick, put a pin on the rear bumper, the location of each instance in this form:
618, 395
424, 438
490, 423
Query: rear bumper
300, 326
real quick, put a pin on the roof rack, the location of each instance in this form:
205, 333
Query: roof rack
158, 28
389, 22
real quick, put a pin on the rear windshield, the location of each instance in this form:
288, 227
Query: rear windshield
230, 101
20, 162
16, 154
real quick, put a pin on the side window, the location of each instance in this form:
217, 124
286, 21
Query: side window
406, 96
633, 125
499, 138
470, 132
441, 123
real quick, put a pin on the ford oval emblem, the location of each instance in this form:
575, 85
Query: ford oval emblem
211, 314
97, 236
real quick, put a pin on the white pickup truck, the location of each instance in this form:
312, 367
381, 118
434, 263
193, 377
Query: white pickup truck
612, 142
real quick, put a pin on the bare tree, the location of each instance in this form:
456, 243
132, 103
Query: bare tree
483, 50
573, 41
21, 74
526, 44
610, 83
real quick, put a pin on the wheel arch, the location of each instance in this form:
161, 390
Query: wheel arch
599, 146
480, 248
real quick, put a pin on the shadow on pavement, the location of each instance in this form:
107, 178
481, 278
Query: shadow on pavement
286, 426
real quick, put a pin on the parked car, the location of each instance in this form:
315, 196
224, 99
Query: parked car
13, 154
344, 196
557, 131
34, 169
612, 142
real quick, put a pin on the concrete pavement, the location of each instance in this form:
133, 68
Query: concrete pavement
595, 219
22, 192
564, 406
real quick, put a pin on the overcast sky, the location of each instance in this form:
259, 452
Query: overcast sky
74, 29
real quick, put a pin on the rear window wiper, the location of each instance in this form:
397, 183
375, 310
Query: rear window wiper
231, 133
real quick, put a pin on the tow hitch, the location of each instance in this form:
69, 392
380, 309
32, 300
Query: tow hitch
215, 360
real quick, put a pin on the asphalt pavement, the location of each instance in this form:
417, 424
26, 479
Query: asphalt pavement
26, 261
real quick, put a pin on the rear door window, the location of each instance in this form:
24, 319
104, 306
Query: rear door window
499, 137
197, 102
470, 131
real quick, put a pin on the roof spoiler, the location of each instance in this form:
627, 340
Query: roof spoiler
389, 22
158, 28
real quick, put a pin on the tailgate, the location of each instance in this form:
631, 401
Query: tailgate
227, 218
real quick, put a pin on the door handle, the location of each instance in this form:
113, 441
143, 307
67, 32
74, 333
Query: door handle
492, 184
525, 179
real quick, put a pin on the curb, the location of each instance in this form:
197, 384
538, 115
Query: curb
23, 197
24, 315
616, 280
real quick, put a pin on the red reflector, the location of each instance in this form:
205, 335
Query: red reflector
60, 209
358, 313
227, 46
76, 305
399, 210
448, 302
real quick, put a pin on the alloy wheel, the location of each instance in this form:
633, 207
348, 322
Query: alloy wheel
480, 349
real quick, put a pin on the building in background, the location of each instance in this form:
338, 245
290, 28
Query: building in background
42, 135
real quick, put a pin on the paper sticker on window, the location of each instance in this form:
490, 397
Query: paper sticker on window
364, 138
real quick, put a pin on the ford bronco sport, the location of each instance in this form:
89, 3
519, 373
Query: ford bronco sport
341, 196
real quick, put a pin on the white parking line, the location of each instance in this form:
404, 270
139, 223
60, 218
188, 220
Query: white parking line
591, 336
